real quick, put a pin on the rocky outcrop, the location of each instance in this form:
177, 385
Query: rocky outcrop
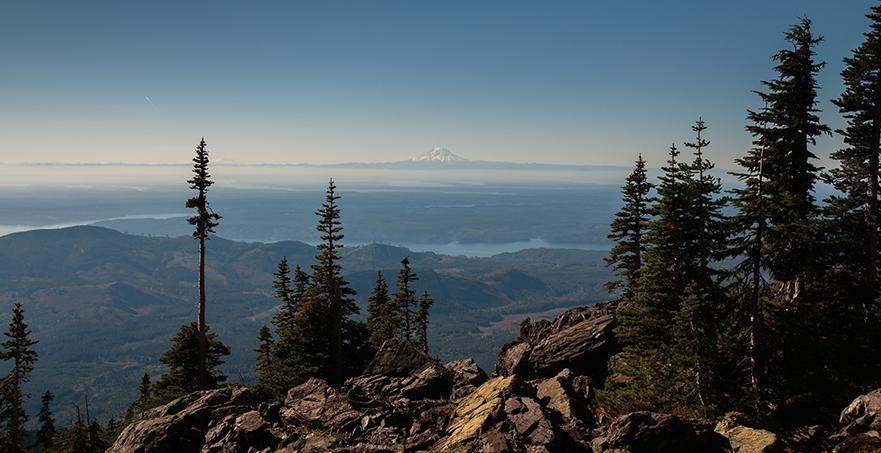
181, 426
860, 425
541, 399
648, 432
580, 339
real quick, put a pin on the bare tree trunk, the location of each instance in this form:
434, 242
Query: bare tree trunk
755, 301
336, 335
203, 340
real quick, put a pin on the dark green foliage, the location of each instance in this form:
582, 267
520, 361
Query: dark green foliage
144, 389
315, 335
382, 313
779, 234
293, 358
77, 436
785, 129
627, 231
425, 304
284, 319
46, 434
264, 350
182, 361
17, 348
670, 332
405, 300
205, 219
852, 217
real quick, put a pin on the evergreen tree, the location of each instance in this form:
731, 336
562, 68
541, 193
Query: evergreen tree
644, 327
330, 297
405, 300
18, 348
422, 322
77, 436
382, 314
205, 220
786, 128
694, 354
778, 235
293, 352
627, 231
181, 359
264, 351
144, 390
671, 331
46, 434
852, 224
284, 319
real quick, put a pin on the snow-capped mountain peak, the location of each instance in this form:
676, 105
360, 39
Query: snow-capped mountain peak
439, 155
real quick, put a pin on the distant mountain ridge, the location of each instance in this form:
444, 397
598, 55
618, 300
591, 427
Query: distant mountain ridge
103, 304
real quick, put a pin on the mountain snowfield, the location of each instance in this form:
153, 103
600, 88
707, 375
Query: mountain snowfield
439, 154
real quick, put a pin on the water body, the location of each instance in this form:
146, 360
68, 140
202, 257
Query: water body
481, 250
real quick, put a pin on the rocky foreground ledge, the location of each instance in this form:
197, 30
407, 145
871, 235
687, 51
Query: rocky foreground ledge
539, 400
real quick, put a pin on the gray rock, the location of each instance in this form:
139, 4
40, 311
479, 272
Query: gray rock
181, 425
467, 376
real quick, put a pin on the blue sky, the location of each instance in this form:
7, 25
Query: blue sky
557, 82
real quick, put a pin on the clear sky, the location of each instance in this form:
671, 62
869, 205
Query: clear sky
330, 81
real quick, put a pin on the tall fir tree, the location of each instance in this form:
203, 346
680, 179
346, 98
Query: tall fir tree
382, 313
331, 297
204, 220
628, 230
17, 348
405, 300
425, 304
779, 236
786, 128
46, 433
694, 352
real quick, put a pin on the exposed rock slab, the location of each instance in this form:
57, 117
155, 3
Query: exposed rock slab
316, 404
181, 425
580, 339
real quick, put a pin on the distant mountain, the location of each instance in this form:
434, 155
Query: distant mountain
103, 304
439, 155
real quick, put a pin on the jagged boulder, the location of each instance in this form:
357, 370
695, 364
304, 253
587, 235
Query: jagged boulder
316, 404
397, 358
580, 339
400, 372
744, 439
467, 376
181, 425
860, 424
241, 433
649, 432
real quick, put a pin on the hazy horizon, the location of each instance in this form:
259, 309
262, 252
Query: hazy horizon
569, 83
